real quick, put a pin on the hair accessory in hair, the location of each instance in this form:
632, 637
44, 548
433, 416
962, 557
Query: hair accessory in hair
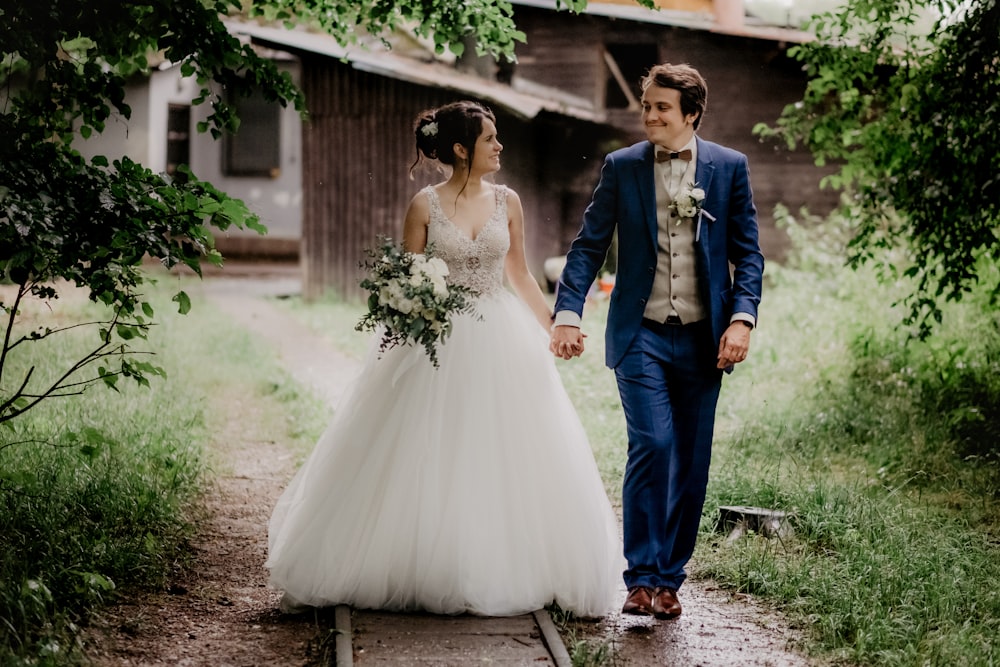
430, 129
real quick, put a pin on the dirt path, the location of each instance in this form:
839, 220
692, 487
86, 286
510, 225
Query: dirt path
220, 611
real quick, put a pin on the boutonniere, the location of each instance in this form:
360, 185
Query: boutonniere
687, 204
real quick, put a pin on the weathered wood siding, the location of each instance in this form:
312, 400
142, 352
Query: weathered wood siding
560, 52
354, 169
358, 146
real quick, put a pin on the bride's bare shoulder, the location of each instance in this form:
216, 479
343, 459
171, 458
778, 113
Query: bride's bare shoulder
419, 209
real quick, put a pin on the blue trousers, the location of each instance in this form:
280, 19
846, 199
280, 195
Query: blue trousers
669, 389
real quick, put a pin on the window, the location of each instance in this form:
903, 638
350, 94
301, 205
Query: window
626, 65
178, 136
255, 148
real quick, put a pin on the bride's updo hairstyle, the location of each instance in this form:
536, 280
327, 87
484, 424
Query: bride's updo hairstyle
438, 130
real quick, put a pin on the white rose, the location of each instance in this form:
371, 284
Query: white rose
698, 194
440, 287
437, 267
404, 306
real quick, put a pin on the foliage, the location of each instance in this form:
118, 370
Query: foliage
98, 502
883, 448
94, 500
913, 120
91, 223
489, 23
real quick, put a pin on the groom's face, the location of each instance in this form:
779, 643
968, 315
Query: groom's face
665, 123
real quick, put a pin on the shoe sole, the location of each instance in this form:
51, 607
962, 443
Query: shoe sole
638, 611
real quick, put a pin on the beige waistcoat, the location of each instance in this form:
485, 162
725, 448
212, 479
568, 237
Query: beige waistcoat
675, 286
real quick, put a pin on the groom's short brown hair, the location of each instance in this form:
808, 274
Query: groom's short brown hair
683, 78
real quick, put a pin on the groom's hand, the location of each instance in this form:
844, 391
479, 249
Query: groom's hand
566, 341
735, 344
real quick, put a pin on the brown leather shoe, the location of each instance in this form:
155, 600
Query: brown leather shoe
665, 603
638, 602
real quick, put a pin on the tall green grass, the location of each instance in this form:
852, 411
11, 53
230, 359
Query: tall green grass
98, 492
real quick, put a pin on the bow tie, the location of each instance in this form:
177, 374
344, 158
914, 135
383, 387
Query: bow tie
663, 156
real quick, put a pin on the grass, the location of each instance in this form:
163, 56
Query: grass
100, 491
863, 433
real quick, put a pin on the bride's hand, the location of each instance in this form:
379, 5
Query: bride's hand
566, 342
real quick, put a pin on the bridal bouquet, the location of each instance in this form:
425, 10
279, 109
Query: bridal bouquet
687, 203
409, 299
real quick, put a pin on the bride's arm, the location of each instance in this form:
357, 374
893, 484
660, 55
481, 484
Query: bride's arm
418, 216
516, 265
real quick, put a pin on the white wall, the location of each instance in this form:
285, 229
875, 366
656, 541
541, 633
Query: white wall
143, 137
123, 136
278, 201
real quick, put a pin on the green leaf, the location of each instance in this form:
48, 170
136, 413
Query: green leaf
183, 302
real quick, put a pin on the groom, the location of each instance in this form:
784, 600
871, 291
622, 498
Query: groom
684, 304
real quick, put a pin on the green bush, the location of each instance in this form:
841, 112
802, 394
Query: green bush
96, 492
99, 492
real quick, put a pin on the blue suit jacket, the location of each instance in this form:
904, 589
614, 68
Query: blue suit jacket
625, 199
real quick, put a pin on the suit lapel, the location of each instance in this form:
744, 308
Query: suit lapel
704, 171
706, 166
646, 187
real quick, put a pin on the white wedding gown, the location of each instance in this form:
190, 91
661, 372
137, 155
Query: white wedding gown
465, 488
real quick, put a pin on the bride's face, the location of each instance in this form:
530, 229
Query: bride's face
488, 147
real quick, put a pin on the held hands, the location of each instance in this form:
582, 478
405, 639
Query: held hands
734, 345
566, 341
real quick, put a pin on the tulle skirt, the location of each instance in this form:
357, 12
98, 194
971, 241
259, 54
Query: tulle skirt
467, 488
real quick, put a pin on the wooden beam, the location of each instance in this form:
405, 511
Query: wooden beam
609, 60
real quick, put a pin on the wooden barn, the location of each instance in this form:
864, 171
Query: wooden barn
569, 99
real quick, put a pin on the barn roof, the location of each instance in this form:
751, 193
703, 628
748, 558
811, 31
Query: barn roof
376, 59
693, 14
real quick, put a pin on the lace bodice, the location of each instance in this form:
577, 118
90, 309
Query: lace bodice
476, 263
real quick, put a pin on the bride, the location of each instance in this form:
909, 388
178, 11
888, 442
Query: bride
468, 488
